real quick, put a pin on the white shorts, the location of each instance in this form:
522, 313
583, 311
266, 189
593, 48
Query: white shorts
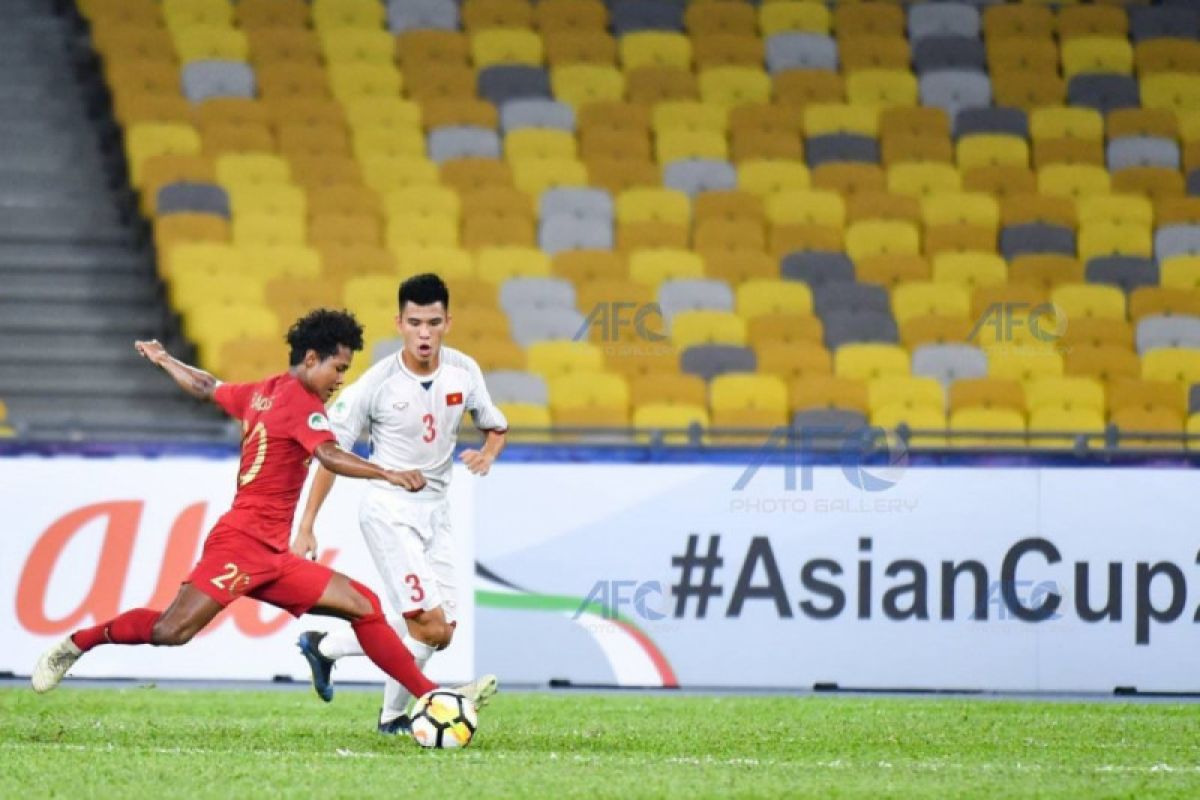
413, 548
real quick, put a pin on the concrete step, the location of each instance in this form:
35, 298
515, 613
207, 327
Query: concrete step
127, 319
62, 224
120, 418
107, 381
71, 256
52, 285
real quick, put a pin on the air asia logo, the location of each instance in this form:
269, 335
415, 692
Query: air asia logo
106, 595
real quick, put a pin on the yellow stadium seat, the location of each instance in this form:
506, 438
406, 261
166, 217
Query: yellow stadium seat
1001, 428
906, 390
553, 359
923, 298
535, 175
1082, 301
259, 228
358, 80
870, 361
728, 49
268, 199
671, 417
764, 177
921, 179
927, 419
358, 46
480, 15
236, 170
187, 13
1063, 122
1023, 364
733, 86
675, 145
801, 17
881, 237
827, 118
589, 390
1074, 422
580, 84
690, 328
1073, 180
498, 264
423, 201
370, 294
652, 267
1069, 393
451, 263
991, 150
653, 205
1171, 90
1181, 365
792, 360
1097, 54
506, 46
376, 112
749, 391
269, 262
423, 230
1115, 208
382, 172
882, 88
1181, 272
810, 206
527, 422
203, 42
960, 208
146, 140
648, 86
215, 258
801, 87
970, 270
212, 327
762, 297
537, 143
647, 48
1112, 238
329, 15
562, 16
987, 393
689, 115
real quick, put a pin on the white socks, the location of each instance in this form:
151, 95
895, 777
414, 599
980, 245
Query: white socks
343, 642
395, 696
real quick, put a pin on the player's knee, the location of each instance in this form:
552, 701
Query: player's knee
364, 602
169, 633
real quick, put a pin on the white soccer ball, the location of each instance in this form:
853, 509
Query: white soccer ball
444, 719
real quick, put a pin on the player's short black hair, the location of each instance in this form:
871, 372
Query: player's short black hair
323, 330
424, 290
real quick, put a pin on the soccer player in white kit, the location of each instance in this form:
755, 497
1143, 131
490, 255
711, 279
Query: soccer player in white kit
410, 404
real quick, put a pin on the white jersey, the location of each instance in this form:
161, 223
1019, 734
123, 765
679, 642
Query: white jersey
413, 420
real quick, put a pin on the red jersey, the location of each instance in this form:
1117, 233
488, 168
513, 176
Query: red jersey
282, 424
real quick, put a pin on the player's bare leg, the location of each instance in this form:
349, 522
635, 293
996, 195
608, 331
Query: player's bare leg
188, 614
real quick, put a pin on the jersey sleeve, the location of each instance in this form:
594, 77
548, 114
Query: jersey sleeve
310, 426
487, 416
234, 398
350, 413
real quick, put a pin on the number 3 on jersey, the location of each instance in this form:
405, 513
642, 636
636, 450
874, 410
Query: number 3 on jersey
414, 582
430, 430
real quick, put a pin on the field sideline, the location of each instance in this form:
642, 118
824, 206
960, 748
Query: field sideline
146, 742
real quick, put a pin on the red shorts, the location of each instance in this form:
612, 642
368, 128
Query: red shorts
235, 564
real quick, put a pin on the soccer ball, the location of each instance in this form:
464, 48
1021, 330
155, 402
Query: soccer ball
444, 720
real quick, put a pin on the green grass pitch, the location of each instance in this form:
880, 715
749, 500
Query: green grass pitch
153, 743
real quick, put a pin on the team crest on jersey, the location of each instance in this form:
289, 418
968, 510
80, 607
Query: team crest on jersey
260, 403
454, 399
318, 421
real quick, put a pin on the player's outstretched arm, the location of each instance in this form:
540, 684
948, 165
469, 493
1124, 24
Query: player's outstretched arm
305, 543
339, 462
194, 381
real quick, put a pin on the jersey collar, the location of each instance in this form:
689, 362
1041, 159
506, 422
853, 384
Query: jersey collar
419, 378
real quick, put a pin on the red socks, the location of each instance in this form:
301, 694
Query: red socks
383, 646
131, 627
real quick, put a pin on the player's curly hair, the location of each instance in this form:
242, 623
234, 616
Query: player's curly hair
323, 330
424, 290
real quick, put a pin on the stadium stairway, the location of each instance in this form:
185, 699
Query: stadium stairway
77, 282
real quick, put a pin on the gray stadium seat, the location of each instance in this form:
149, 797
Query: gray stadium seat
823, 428
710, 360
1013, 121
1160, 331
1194, 399
1036, 237
1124, 272
412, 15
215, 78
505, 82
954, 89
579, 202
547, 324
694, 294
536, 113
463, 141
628, 16
1103, 92
1193, 183
1165, 22
564, 232
846, 296
1142, 151
512, 386
202, 198
386, 347
1176, 240
816, 268
847, 327
949, 362
519, 295
786, 51
841, 147
948, 52
696, 175
942, 19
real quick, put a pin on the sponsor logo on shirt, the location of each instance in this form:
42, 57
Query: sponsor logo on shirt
400, 406
260, 403
454, 399
318, 421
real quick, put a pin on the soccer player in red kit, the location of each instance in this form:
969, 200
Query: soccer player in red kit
246, 554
